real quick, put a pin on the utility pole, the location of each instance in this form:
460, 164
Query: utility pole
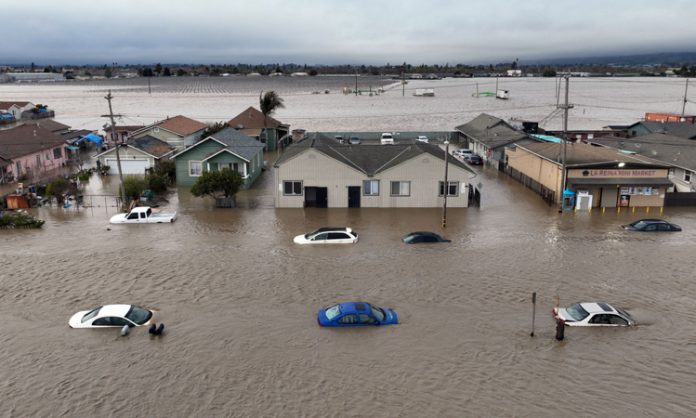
686, 90
113, 135
403, 82
356, 82
149, 89
446, 191
564, 136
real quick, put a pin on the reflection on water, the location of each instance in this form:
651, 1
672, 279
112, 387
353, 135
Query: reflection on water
239, 301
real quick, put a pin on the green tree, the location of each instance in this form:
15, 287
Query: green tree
108, 73
166, 72
225, 182
269, 102
549, 73
181, 72
214, 128
58, 188
158, 68
166, 168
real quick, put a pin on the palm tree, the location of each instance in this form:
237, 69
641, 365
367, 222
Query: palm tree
269, 102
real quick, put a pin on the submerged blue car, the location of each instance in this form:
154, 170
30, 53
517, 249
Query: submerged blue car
351, 314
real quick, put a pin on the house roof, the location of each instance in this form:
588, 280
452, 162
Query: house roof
49, 124
490, 131
369, 159
680, 129
26, 140
252, 118
75, 134
180, 125
669, 149
7, 105
149, 145
233, 141
580, 154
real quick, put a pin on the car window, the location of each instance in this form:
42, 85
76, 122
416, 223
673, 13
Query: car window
366, 319
320, 237
138, 315
415, 239
617, 320
378, 313
102, 321
664, 227
338, 235
348, 319
119, 321
600, 319
651, 227
577, 312
133, 215
333, 312
429, 238
91, 314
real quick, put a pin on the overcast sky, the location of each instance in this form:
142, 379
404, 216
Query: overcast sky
338, 31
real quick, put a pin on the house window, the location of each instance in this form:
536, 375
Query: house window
292, 188
47, 157
452, 188
195, 168
687, 176
235, 167
400, 188
57, 153
371, 187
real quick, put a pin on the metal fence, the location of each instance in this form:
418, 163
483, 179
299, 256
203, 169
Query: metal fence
547, 194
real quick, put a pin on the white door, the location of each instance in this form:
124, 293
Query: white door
127, 166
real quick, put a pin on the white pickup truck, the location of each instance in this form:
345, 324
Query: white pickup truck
142, 215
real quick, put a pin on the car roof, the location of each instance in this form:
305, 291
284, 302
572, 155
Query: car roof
422, 233
354, 307
651, 220
598, 307
114, 310
332, 228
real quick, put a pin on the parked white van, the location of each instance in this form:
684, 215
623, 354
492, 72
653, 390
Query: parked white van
387, 139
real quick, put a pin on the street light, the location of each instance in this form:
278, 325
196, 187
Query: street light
446, 188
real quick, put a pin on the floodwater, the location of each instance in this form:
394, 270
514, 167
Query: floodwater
239, 301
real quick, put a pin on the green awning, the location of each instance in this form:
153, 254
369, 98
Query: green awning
72, 148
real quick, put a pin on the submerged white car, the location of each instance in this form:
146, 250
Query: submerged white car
593, 314
112, 316
328, 235
143, 215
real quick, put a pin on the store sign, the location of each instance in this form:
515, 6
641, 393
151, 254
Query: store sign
620, 173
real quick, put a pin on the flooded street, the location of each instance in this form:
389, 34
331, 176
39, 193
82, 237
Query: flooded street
239, 301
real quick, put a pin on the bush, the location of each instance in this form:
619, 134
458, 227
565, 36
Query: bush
167, 169
134, 186
156, 182
225, 182
84, 175
57, 188
19, 220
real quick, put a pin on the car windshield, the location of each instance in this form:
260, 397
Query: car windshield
332, 312
378, 313
640, 224
624, 313
577, 312
138, 315
91, 314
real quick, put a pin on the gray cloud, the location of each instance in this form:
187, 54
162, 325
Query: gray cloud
332, 31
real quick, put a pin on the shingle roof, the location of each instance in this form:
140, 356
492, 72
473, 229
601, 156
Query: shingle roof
579, 154
666, 148
181, 125
369, 159
27, 139
253, 119
49, 124
490, 131
239, 143
7, 105
75, 134
151, 145
680, 129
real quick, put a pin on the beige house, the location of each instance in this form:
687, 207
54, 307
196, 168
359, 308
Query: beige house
595, 176
320, 172
178, 131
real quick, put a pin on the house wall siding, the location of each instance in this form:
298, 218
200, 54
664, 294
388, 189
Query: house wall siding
198, 153
424, 172
29, 164
543, 171
126, 153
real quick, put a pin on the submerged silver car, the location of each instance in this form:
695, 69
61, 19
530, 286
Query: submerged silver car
593, 314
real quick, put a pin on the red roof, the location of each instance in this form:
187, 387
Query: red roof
253, 119
181, 125
7, 105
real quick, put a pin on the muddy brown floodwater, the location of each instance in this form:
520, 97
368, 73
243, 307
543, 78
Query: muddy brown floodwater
239, 301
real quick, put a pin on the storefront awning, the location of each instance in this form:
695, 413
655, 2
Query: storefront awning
621, 181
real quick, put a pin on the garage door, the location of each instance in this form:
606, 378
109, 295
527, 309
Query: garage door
127, 166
